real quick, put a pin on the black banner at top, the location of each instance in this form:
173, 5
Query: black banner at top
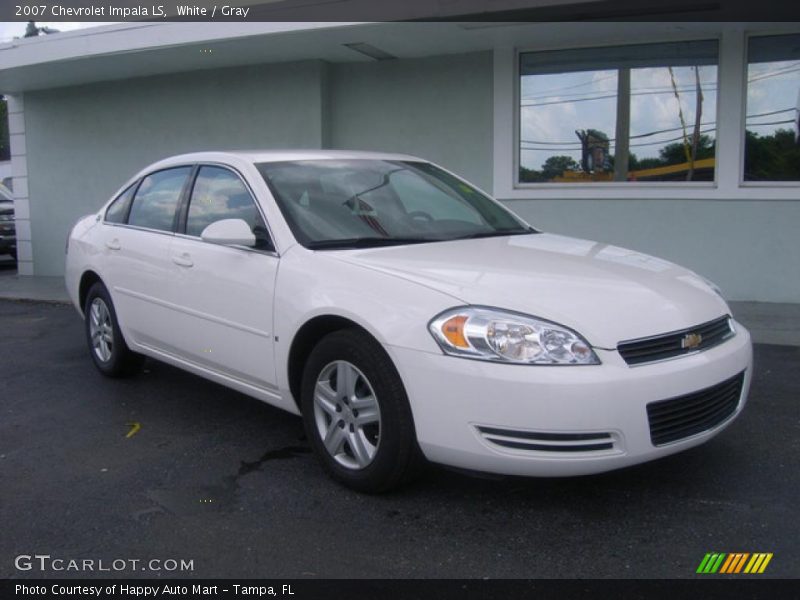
394, 10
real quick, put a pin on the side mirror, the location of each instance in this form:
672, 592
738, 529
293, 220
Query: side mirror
229, 232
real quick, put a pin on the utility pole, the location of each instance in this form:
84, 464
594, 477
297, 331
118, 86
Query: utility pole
621, 158
698, 113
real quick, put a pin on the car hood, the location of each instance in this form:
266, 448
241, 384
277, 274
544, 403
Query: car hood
606, 293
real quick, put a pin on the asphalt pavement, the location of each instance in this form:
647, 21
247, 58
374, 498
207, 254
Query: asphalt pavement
222, 480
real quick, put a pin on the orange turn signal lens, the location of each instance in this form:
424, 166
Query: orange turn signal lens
453, 330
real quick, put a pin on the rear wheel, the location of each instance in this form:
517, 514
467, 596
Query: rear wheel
107, 347
356, 413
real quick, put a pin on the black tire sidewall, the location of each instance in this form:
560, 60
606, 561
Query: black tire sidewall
397, 436
116, 365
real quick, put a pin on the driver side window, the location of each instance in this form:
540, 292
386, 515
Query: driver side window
218, 194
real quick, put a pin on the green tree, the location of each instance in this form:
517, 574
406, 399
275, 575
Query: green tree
527, 175
773, 157
556, 165
675, 153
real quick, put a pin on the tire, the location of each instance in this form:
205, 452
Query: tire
107, 347
364, 455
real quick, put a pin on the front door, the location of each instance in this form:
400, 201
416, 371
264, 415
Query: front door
223, 294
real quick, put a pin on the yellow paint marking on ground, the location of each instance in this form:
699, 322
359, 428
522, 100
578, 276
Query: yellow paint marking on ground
135, 426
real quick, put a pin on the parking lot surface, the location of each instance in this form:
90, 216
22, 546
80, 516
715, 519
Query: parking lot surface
220, 479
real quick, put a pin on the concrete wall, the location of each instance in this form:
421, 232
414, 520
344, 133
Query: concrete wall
439, 108
749, 248
84, 142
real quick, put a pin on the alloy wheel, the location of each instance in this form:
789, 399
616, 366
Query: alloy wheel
347, 415
101, 330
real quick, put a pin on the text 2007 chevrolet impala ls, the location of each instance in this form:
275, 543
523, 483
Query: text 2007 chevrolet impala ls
405, 315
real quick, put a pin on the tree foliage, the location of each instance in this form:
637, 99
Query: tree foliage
553, 167
773, 157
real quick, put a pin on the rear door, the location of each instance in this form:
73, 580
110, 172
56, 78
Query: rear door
137, 232
224, 293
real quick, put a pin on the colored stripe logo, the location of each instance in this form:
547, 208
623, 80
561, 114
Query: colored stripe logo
734, 562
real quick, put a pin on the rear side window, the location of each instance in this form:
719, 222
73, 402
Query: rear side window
218, 194
118, 209
157, 199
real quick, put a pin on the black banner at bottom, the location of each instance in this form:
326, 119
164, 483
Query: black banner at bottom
407, 589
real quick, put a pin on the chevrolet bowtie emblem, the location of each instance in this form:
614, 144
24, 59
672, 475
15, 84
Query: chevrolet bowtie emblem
691, 340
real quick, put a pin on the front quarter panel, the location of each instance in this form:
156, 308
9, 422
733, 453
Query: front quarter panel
394, 311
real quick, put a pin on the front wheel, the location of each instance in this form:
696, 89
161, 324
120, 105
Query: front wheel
356, 413
107, 347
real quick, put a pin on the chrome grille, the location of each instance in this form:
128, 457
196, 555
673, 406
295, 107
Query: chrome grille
676, 343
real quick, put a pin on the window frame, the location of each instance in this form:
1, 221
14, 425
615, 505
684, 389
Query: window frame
136, 184
743, 183
133, 187
593, 185
183, 209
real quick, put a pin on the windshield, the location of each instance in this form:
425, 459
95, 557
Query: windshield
355, 203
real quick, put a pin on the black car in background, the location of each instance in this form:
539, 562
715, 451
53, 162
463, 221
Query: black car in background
8, 232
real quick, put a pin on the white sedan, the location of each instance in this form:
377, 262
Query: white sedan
405, 315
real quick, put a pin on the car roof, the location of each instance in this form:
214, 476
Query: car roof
259, 156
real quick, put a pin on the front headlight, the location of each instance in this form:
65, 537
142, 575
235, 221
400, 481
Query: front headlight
502, 336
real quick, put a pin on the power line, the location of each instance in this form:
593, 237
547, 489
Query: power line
778, 72
772, 123
707, 85
711, 86
571, 87
650, 133
675, 139
529, 105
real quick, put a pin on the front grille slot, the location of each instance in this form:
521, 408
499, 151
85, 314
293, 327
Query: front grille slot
677, 418
670, 345
547, 441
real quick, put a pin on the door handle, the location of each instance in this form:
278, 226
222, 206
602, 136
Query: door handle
182, 260
113, 244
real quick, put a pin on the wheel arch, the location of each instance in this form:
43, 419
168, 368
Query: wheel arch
88, 279
304, 341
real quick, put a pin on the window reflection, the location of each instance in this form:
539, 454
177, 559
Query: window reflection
627, 113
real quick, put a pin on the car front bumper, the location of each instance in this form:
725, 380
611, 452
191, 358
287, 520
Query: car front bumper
452, 399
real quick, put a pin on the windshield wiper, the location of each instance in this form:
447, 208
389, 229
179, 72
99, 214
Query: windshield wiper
364, 242
496, 233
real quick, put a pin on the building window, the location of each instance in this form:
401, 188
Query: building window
618, 114
771, 149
